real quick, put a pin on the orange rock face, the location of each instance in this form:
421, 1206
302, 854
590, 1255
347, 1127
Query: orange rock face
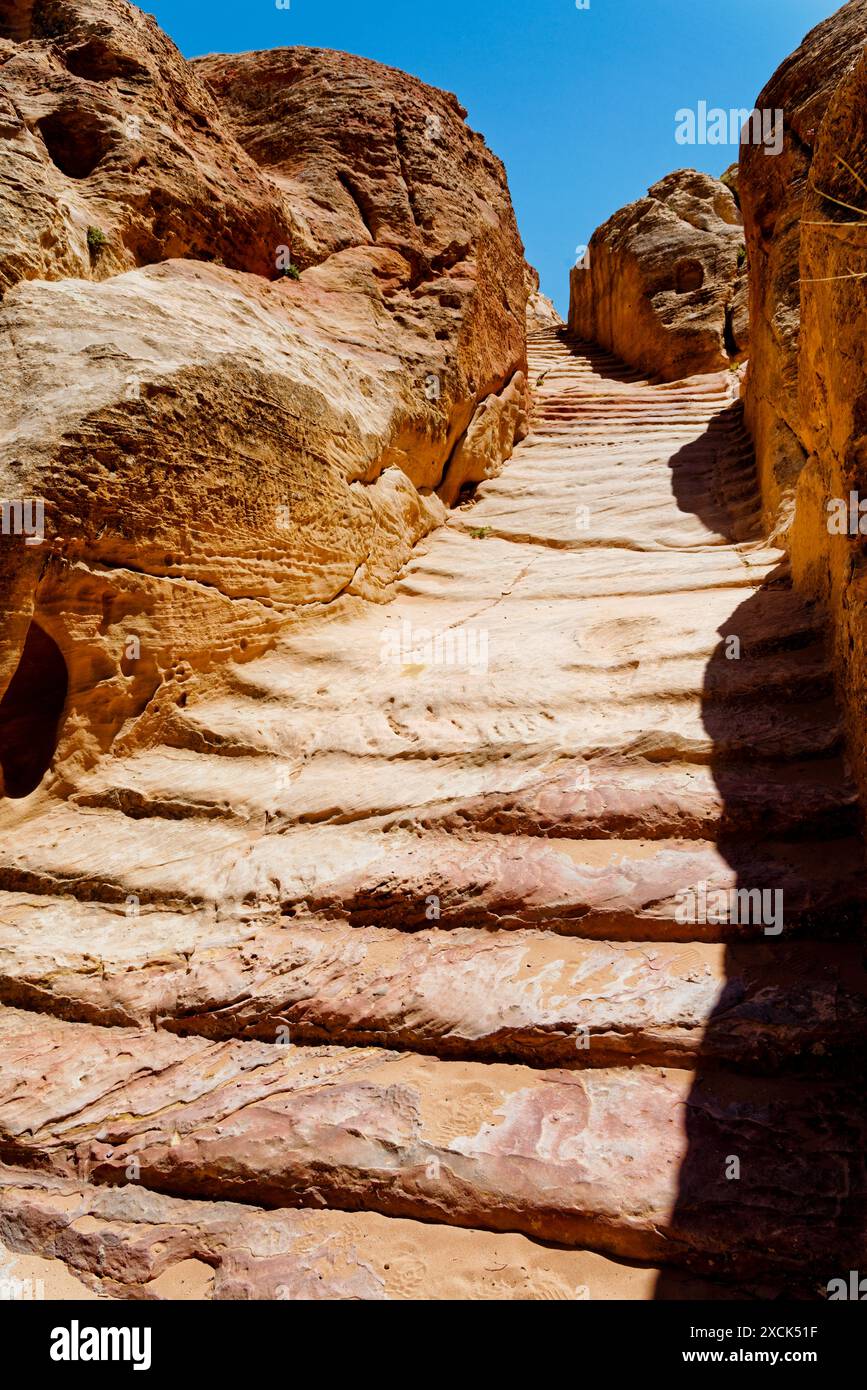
806, 226
663, 281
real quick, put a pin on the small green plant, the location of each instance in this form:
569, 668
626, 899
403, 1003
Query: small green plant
96, 240
289, 272
480, 533
742, 257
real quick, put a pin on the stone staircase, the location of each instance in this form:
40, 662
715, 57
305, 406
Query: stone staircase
387, 971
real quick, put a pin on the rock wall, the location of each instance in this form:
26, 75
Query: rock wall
663, 284
541, 312
805, 216
260, 316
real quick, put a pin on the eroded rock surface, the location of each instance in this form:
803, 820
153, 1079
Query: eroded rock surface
106, 127
806, 226
541, 313
779, 207
130, 1242
239, 445
663, 283
361, 938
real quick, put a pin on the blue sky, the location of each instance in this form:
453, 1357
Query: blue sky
579, 104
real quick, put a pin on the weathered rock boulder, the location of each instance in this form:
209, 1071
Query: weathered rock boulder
409, 195
663, 283
541, 312
215, 445
805, 218
106, 130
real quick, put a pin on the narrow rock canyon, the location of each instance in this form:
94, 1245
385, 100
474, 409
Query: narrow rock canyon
431, 734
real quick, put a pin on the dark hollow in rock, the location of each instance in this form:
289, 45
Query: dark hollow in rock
30, 713
688, 275
76, 141
99, 61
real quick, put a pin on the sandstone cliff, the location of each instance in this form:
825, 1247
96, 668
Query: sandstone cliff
805, 217
261, 316
663, 283
106, 129
541, 313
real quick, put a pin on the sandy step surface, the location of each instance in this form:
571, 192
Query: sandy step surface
130, 1243
579, 1158
384, 969
527, 996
